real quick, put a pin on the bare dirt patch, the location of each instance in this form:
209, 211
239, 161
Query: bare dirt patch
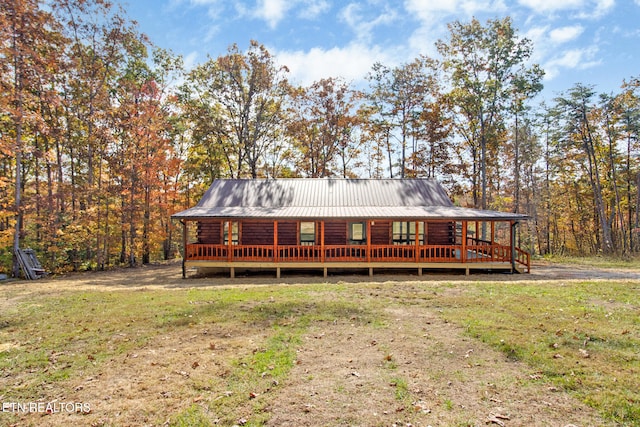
417, 370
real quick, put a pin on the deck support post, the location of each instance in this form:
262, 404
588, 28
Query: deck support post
277, 272
232, 272
370, 271
325, 272
420, 271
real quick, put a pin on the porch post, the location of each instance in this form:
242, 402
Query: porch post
184, 248
230, 241
513, 245
493, 233
322, 254
325, 272
368, 258
276, 254
417, 242
463, 253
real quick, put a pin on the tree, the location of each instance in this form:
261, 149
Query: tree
629, 105
398, 96
524, 87
101, 40
431, 148
576, 113
28, 42
486, 66
143, 156
320, 125
243, 94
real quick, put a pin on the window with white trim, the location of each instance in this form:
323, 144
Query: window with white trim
307, 233
357, 233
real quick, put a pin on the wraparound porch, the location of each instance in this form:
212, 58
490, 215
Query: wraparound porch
416, 257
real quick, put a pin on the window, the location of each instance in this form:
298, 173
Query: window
307, 233
234, 233
404, 233
357, 232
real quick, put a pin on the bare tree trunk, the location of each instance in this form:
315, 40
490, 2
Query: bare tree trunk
618, 208
516, 167
594, 177
18, 181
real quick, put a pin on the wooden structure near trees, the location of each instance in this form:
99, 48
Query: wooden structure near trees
344, 224
29, 264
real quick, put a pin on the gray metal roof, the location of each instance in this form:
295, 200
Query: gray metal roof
317, 198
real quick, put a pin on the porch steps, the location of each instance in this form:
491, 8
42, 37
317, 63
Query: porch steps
521, 269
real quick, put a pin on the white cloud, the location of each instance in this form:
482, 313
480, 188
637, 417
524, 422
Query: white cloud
272, 11
433, 17
585, 9
363, 26
565, 34
190, 60
275, 11
425, 10
545, 6
430, 11
556, 60
574, 59
351, 62
215, 8
314, 8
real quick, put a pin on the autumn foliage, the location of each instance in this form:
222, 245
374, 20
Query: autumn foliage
103, 135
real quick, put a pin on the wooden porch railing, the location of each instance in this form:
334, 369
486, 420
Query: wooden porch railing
523, 258
488, 253
479, 253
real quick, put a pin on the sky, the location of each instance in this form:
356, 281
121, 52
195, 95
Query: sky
592, 42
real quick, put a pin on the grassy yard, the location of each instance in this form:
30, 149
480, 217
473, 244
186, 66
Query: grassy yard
225, 355
584, 337
613, 262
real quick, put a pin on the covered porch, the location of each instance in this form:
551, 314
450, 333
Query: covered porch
235, 244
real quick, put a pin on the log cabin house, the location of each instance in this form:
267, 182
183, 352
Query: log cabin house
324, 224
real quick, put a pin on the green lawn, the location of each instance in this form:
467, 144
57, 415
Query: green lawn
581, 336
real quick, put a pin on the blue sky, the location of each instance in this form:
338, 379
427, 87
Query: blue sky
593, 42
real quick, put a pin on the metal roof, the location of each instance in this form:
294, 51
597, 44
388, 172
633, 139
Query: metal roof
317, 198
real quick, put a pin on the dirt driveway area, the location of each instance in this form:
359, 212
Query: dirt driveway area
169, 276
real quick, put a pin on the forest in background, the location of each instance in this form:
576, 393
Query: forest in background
103, 135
